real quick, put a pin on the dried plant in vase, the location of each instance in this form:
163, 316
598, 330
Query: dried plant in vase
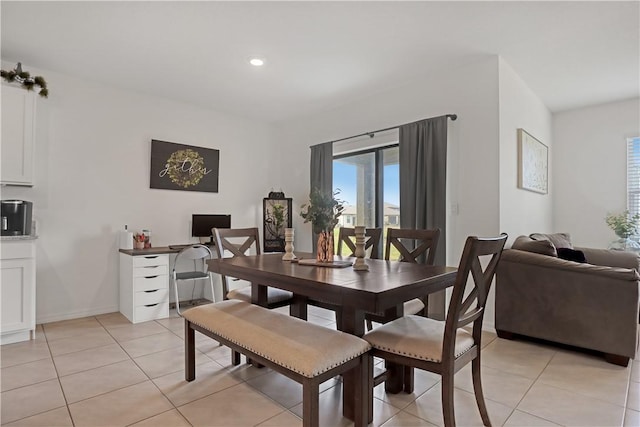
323, 211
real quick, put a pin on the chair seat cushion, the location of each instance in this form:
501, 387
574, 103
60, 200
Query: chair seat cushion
274, 295
417, 337
295, 344
414, 306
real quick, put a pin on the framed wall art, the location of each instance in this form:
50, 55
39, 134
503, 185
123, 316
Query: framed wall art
184, 167
533, 163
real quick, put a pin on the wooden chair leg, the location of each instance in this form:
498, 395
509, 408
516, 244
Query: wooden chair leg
369, 325
477, 388
310, 404
235, 358
189, 352
447, 400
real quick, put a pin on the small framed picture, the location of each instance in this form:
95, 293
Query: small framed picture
533, 163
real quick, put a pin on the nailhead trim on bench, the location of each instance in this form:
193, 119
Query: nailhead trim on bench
346, 347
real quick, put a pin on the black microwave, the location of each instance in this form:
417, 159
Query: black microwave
16, 217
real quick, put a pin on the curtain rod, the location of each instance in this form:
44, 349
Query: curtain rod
453, 117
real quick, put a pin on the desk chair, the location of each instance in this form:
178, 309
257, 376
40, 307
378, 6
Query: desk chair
412, 245
238, 241
193, 253
444, 347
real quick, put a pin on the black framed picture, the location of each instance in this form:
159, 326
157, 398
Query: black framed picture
184, 167
277, 216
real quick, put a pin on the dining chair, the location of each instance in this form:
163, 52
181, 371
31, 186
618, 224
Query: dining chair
444, 347
347, 238
409, 245
237, 242
193, 253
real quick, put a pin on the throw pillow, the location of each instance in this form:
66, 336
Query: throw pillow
571, 255
559, 240
543, 247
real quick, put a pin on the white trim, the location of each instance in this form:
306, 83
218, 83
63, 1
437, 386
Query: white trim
76, 314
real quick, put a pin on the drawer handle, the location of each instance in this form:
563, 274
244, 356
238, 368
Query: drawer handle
151, 257
151, 266
152, 305
150, 277
155, 290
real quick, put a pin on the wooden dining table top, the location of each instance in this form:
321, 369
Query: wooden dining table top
386, 284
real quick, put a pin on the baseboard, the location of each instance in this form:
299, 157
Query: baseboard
76, 314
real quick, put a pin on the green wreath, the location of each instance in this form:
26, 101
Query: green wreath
25, 79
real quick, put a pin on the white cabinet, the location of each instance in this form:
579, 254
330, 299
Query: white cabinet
144, 287
17, 291
18, 128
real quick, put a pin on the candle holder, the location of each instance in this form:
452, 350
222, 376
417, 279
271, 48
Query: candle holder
288, 245
360, 264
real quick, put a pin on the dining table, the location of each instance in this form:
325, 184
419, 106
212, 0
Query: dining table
383, 289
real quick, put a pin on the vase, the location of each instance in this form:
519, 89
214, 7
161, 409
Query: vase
324, 248
625, 244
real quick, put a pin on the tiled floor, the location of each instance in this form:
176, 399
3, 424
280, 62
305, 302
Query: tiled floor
104, 371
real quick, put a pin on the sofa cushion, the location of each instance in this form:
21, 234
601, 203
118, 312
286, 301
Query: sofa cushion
543, 247
559, 240
571, 255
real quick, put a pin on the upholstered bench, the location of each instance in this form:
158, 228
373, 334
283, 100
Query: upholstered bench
306, 353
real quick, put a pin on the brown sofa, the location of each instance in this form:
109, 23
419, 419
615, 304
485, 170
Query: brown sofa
592, 305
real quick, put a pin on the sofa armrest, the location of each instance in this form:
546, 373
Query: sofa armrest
612, 258
549, 262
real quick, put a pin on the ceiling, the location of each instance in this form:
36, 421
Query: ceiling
324, 54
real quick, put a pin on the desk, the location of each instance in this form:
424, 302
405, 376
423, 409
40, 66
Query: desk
384, 288
144, 283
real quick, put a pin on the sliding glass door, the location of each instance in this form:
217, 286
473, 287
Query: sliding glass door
369, 185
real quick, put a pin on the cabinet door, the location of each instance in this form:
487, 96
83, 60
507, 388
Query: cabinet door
16, 302
18, 123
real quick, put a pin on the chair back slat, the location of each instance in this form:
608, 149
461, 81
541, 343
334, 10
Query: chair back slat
237, 241
414, 245
462, 311
347, 235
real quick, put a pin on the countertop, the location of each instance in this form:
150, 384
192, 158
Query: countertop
16, 238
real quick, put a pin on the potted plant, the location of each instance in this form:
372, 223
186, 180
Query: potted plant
625, 226
323, 211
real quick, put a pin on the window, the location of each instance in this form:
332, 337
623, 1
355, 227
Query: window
369, 183
633, 175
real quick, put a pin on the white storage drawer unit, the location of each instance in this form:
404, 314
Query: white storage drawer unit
144, 287
18, 281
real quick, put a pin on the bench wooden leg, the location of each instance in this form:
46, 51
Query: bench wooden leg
310, 403
363, 398
189, 352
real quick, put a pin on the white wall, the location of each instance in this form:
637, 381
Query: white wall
469, 91
522, 211
92, 177
590, 174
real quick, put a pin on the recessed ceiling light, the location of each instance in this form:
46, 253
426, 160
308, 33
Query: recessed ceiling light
256, 62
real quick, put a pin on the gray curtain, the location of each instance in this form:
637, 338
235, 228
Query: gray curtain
423, 171
321, 172
322, 167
